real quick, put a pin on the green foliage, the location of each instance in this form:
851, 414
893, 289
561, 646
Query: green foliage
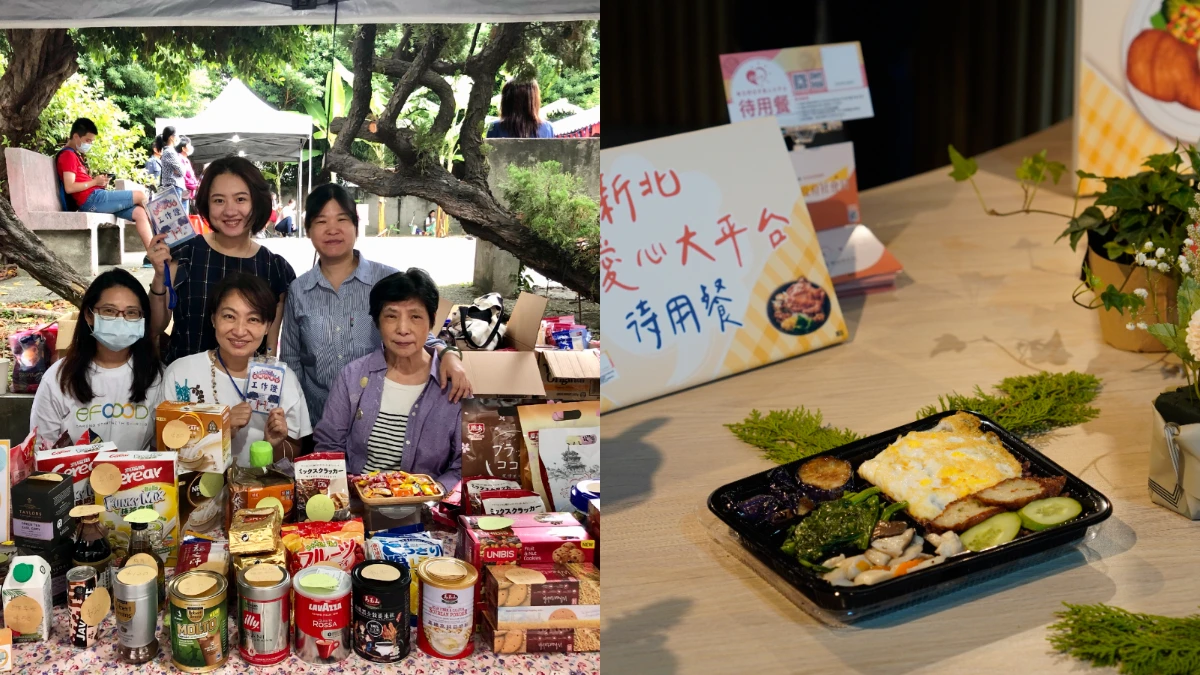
117, 146
136, 90
1137, 644
788, 435
1113, 298
963, 168
556, 207
1029, 404
1034, 169
1174, 336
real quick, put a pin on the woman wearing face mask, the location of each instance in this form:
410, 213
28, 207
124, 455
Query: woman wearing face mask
236, 201
240, 310
109, 380
185, 150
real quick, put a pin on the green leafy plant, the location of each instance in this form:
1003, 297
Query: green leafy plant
555, 206
1028, 405
788, 435
1137, 644
116, 149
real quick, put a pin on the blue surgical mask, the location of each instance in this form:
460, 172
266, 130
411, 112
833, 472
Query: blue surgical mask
116, 333
85, 147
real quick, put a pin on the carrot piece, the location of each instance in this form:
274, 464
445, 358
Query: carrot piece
907, 565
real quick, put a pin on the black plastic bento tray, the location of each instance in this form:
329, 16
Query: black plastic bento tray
847, 603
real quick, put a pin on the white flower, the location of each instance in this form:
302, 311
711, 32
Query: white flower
1193, 335
1188, 242
1148, 246
1141, 293
1160, 252
1164, 267
1185, 268
1140, 259
1130, 326
1142, 325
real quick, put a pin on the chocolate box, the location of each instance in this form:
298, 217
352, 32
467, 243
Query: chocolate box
575, 584
41, 508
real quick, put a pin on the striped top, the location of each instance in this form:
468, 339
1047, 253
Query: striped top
385, 445
325, 329
172, 170
200, 269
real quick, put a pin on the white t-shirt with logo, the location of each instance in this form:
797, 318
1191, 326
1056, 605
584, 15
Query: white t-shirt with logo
111, 414
190, 379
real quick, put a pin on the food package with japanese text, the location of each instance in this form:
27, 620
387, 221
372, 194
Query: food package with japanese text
535, 419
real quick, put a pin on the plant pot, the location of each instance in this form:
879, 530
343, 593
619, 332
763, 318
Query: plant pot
1112, 322
1175, 453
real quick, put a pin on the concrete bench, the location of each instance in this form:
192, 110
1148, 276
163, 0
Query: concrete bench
82, 240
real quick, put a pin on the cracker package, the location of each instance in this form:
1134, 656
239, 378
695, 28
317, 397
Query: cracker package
535, 418
339, 544
254, 531
476, 485
491, 439
322, 473
75, 461
199, 432
138, 480
509, 502
566, 457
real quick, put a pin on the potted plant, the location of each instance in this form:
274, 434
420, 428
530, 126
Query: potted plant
1135, 229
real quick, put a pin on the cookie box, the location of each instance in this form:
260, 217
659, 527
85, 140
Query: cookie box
528, 520
529, 545
536, 618
574, 584
522, 641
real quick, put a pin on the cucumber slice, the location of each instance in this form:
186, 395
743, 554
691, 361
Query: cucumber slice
1045, 513
999, 529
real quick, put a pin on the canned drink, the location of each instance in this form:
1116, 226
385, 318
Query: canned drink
447, 624
322, 617
381, 610
81, 583
135, 602
199, 621
263, 613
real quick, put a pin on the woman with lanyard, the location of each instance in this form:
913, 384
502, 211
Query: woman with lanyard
236, 200
240, 310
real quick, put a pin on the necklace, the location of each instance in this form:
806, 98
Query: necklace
213, 357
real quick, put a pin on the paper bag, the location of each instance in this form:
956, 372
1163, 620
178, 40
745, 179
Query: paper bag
1175, 466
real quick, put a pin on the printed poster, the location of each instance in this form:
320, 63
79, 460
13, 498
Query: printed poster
1138, 84
798, 85
709, 262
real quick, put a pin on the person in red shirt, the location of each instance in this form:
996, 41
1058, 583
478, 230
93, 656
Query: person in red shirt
89, 193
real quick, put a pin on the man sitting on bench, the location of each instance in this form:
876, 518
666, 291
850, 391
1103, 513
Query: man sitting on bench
90, 193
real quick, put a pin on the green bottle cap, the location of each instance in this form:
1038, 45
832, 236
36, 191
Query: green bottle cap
23, 572
261, 454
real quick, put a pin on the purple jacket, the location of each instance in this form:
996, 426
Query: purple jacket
433, 443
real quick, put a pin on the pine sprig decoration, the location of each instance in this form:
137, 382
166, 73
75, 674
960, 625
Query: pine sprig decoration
788, 435
1028, 405
1138, 644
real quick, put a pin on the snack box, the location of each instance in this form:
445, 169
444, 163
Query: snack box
572, 584
527, 520
198, 432
41, 506
525, 641
843, 604
75, 461
148, 479
535, 618
523, 546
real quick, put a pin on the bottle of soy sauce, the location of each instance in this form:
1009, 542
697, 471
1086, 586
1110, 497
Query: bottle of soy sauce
91, 543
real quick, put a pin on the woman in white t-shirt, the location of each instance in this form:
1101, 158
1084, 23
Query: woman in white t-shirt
108, 382
241, 309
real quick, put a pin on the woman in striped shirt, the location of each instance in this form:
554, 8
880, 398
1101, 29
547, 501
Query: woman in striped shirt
386, 410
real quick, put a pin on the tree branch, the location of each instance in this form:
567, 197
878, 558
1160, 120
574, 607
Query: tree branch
483, 69
360, 100
27, 250
408, 82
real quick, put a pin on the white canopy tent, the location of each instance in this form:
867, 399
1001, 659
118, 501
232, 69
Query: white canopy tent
102, 13
239, 123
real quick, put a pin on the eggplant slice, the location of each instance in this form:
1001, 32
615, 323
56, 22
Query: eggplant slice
824, 479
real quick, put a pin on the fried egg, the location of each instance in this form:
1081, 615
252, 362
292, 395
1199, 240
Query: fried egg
930, 469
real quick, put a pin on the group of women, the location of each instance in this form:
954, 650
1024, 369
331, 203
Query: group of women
364, 374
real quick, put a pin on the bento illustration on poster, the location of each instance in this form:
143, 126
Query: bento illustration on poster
709, 265
1138, 83
798, 85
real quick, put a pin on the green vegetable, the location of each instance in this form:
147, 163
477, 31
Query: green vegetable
843, 523
1046, 513
999, 529
1030, 404
788, 435
1170, 10
892, 510
1137, 644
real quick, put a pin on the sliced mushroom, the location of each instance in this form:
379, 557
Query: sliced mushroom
890, 528
877, 558
872, 577
894, 546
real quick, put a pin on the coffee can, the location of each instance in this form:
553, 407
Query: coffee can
199, 621
81, 583
381, 610
322, 616
135, 603
264, 609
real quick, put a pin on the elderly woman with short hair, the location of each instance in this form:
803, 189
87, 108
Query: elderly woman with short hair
386, 410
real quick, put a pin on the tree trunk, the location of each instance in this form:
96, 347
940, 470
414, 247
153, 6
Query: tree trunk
24, 248
41, 61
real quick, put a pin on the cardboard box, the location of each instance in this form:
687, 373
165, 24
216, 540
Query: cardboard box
66, 332
148, 479
564, 585
41, 509
548, 640
76, 461
570, 375
537, 618
511, 374
208, 449
524, 546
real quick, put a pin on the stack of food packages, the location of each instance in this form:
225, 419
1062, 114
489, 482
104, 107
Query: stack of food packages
289, 553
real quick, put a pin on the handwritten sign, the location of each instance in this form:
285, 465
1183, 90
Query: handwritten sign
168, 217
709, 263
800, 85
265, 388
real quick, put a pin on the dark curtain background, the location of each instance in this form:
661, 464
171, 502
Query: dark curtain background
977, 74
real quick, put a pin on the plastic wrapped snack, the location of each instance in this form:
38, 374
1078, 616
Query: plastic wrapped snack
339, 543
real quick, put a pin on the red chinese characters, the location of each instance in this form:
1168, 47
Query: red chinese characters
777, 236
729, 232
607, 260
686, 242
654, 255
648, 187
